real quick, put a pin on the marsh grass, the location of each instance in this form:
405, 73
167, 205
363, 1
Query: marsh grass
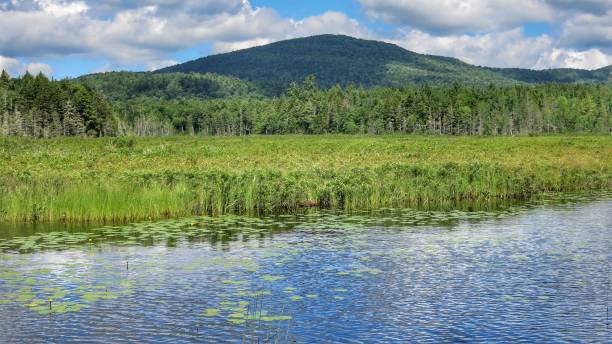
120, 180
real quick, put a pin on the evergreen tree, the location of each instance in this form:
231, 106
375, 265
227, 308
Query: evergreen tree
73, 124
5, 78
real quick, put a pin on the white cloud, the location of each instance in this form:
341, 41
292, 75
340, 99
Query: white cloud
589, 30
328, 22
502, 49
224, 47
580, 6
8, 64
561, 58
15, 67
62, 8
488, 32
37, 67
154, 65
457, 16
147, 33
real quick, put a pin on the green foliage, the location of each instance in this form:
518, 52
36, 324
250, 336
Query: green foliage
105, 180
336, 60
39, 107
342, 60
435, 110
127, 85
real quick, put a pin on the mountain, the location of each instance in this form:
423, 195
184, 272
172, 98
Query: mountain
344, 60
120, 86
563, 75
337, 60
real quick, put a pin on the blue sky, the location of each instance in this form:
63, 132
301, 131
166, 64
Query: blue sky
67, 38
303, 9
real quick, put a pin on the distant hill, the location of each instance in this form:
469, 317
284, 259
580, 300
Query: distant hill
345, 60
127, 85
563, 75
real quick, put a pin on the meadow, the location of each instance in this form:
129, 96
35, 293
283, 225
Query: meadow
116, 180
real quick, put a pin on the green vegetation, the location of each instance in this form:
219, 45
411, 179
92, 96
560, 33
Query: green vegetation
361, 87
342, 60
443, 110
125, 179
37, 107
121, 86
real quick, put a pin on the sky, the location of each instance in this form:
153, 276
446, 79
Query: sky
68, 38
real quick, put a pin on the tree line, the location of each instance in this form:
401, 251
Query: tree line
35, 106
38, 107
434, 110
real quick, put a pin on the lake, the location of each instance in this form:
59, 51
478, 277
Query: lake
533, 272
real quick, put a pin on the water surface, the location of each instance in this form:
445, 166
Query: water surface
532, 273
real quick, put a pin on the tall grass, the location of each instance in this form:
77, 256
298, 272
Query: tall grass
118, 180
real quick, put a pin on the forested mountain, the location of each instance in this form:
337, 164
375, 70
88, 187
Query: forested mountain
564, 75
342, 60
316, 85
129, 85
35, 106
338, 60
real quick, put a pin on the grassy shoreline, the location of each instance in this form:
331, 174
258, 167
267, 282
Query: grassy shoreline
128, 179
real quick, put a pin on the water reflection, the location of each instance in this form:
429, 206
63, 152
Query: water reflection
535, 272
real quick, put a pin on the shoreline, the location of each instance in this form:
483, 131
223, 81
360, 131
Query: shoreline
118, 180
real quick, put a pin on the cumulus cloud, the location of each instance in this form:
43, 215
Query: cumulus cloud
502, 49
200, 8
562, 58
37, 67
15, 67
148, 32
328, 22
224, 47
580, 6
453, 16
62, 8
460, 16
154, 65
334, 22
9, 64
589, 30
489, 32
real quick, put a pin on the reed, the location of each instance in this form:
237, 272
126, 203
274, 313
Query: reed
128, 179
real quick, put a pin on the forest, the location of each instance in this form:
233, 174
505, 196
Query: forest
35, 106
343, 60
187, 104
436, 110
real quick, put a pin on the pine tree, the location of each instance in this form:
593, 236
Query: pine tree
55, 126
73, 124
16, 124
5, 78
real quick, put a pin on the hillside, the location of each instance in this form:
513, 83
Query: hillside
345, 60
118, 86
337, 60
564, 75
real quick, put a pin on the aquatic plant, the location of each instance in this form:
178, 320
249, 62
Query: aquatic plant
75, 180
272, 278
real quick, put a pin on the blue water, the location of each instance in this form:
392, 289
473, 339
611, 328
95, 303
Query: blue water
529, 274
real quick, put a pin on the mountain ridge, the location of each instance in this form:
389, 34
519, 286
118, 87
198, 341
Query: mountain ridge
344, 60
